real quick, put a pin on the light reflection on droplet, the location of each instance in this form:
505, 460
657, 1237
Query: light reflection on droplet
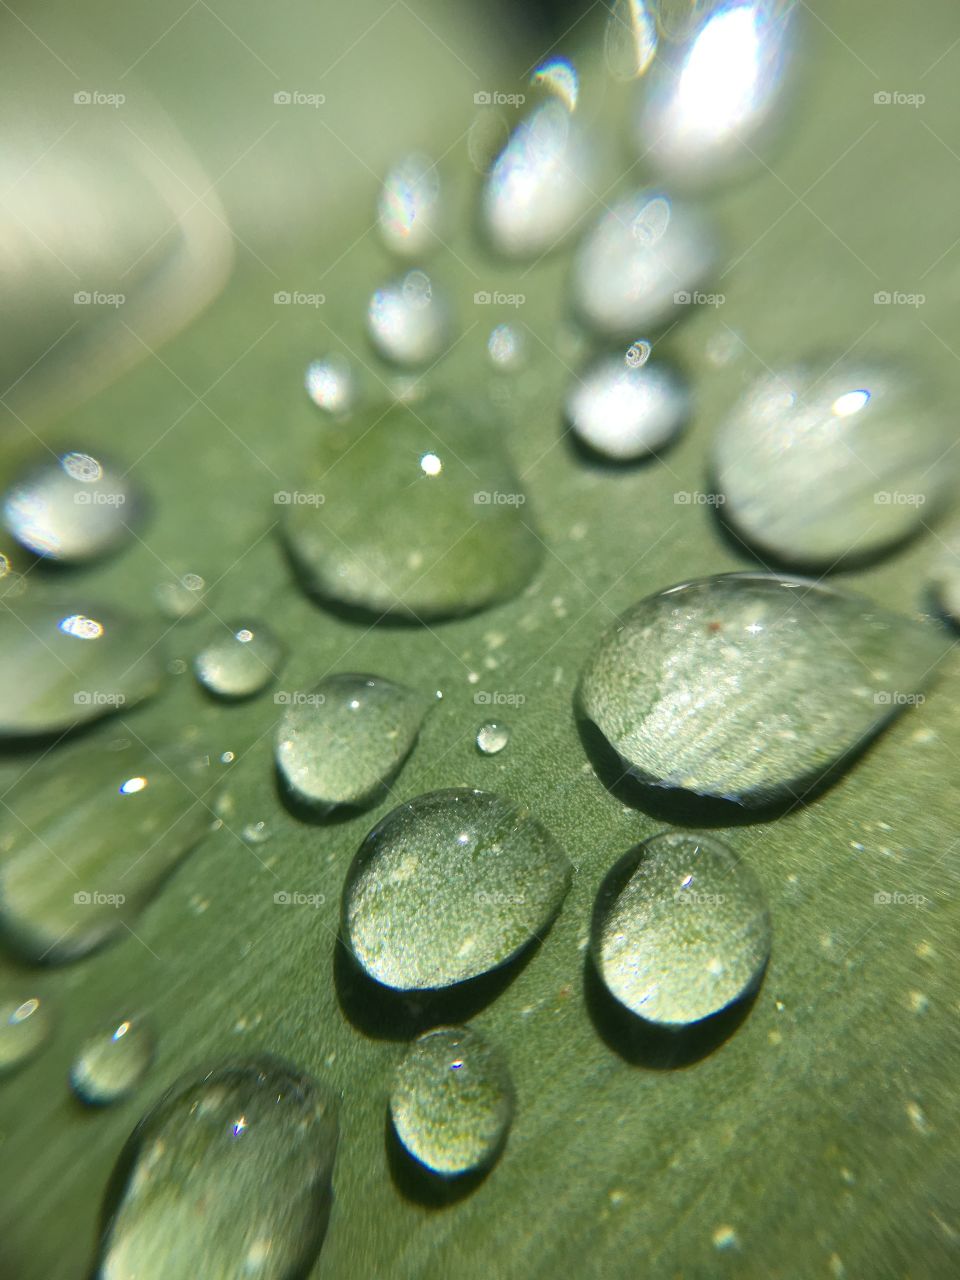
132, 786
559, 77
409, 206
329, 383
430, 464
80, 627
630, 39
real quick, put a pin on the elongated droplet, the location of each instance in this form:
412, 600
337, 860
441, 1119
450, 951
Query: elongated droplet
448, 886
492, 738
817, 464
64, 664
89, 835
25, 1027
110, 1064
409, 209
645, 258
241, 661
346, 739
330, 384
229, 1175
452, 1101
72, 508
625, 410
418, 514
409, 321
750, 686
680, 929
630, 38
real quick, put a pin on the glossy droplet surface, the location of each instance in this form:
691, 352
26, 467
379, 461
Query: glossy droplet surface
230, 1175
625, 409
449, 886
409, 209
25, 1027
816, 464
680, 929
66, 662
558, 76
110, 1064
492, 738
630, 38
72, 508
330, 384
89, 836
452, 1101
749, 686
342, 742
421, 515
409, 320
641, 263
241, 661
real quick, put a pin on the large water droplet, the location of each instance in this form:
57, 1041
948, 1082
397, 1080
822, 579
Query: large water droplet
240, 662
748, 685
418, 513
73, 508
89, 835
329, 384
630, 39
25, 1028
625, 410
680, 929
409, 208
452, 1101
492, 738
229, 1175
642, 260
346, 739
110, 1064
448, 886
408, 320
817, 464
64, 664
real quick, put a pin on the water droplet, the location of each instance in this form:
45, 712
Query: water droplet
819, 464
255, 833
408, 321
944, 575
61, 665
630, 39
90, 835
505, 346
241, 661
642, 260
72, 508
329, 384
422, 515
748, 685
110, 1064
182, 597
452, 1101
230, 1175
343, 742
492, 738
409, 208
638, 353
25, 1028
558, 76
449, 886
625, 411
680, 929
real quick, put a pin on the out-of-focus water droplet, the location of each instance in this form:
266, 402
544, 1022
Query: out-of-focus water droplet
181, 597
255, 833
630, 39
558, 76
420, 515
540, 184
330, 384
241, 661
72, 508
487, 137
13, 583
448, 886
680, 929
678, 19
89, 836
452, 1101
750, 686
642, 260
506, 347
110, 1064
25, 1027
62, 665
944, 575
409, 209
229, 1175
409, 321
346, 739
638, 353
625, 411
492, 738
819, 464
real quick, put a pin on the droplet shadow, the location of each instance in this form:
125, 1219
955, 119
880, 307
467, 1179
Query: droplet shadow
422, 1186
317, 815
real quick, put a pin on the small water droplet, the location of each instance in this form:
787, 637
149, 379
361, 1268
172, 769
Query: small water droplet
110, 1064
452, 1101
630, 39
25, 1027
181, 597
625, 410
448, 886
558, 76
241, 661
492, 738
409, 322
409, 209
506, 347
255, 833
330, 384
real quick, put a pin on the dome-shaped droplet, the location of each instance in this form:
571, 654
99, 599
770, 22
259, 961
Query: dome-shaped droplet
645, 258
816, 464
111, 1063
506, 347
680, 929
229, 1176
492, 738
409, 321
72, 508
448, 886
243, 659
182, 597
625, 410
64, 664
750, 686
418, 513
452, 1101
89, 836
25, 1027
330, 385
630, 38
409, 208
346, 739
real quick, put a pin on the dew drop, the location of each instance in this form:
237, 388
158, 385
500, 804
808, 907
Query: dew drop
492, 738
330, 384
255, 833
630, 39
110, 1064
408, 321
506, 348
241, 661
409, 209
25, 1027
558, 76
181, 597
625, 410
